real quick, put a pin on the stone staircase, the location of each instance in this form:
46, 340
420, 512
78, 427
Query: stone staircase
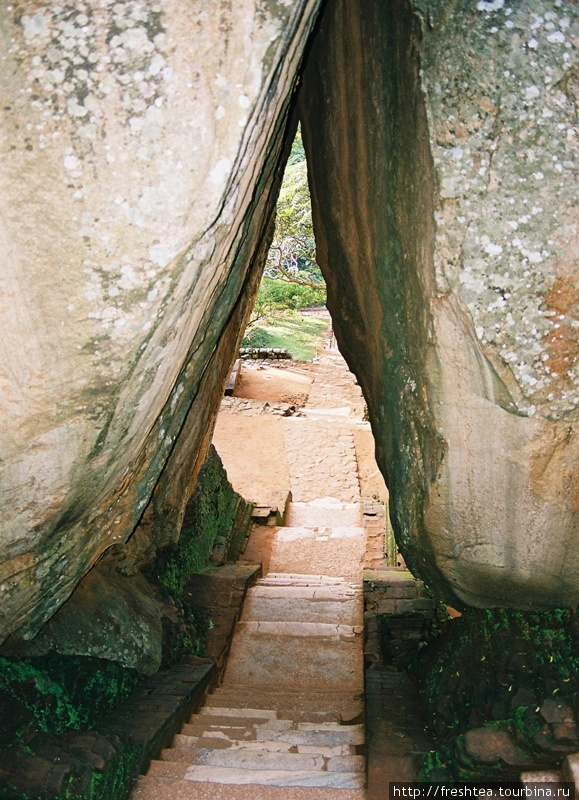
287, 721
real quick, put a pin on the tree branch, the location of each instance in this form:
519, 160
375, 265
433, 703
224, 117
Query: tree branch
294, 279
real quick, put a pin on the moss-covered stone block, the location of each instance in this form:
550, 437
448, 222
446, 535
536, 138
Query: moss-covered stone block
63, 692
510, 671
210, 514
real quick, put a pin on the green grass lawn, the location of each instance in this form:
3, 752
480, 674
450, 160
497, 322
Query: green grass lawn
302, 336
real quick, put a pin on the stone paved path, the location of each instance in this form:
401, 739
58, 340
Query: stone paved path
320, 445
287, 721
334, 389
331, 470
289, 712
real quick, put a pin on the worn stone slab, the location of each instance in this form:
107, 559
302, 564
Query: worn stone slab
252, 713
152, 788
337, 551
321, 532
258, 760
346, 610
303, 579
337, 592
319, 630
323, 512
331, 468
274, 725
321, 726
347, 764
286, 663
349, 735
183, 740
184, 750
328, 751
239, 776
198, 729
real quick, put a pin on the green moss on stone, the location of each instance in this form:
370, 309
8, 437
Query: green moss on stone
210, 513
495, 668
64, 692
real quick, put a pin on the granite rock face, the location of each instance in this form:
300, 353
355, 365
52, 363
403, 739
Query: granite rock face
141, 150
446, 136
109, 616
141, 154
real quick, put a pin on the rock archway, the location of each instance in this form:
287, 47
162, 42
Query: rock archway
438, 139
142, 149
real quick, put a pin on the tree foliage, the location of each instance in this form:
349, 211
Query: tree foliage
292, 279
292, 256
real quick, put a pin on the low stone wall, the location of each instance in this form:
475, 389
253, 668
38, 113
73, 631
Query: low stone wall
103, 763
264, 352
400, 617
502, 692
219, 595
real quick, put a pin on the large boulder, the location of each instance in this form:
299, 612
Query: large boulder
141, 144
443, 151
142, 149
109, 616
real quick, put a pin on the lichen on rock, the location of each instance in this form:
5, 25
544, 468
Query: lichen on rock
449, 155
133, 137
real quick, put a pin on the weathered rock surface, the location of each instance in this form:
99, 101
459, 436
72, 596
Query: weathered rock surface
442, 147
141, 148
108, 616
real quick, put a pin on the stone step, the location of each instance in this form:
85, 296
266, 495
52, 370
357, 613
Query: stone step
349, 735
182, 742
274, 777
325, 511
301, 579
240, 758
338, 592
264, 759
319, 533
267, 661
219, 740
297, 705
329, 751
210, 722
277, 731
153, 788
308, 603
218, 728
317, 630
336, 551
233, 727
325, 412
224, 711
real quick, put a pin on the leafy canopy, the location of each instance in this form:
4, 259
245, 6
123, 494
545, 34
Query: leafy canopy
292, 256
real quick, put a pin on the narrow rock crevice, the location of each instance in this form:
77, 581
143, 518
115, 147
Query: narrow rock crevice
372, 184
